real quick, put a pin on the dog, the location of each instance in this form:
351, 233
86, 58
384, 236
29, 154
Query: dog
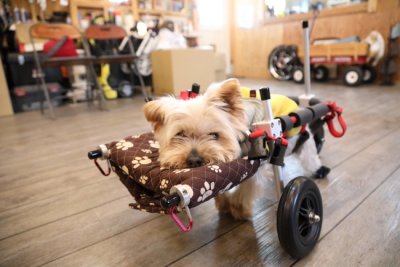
209, 129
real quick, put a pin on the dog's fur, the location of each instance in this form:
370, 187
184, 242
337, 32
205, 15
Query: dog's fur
207, 129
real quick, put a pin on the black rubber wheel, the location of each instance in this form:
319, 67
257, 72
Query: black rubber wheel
369, 74
321, 73
281, 61
299, 217
298, 74
353, 76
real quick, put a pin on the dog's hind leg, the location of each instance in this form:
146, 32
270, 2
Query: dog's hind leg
311, 161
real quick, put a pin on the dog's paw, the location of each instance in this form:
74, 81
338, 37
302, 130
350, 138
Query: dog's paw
240, 213
322, 172
222, 203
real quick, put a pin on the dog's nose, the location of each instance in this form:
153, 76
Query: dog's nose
194, 160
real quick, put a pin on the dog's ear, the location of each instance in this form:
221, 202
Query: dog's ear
226, 96
155, 113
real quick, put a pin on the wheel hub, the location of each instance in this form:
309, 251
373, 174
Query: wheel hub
313, 218
307, 217
351, 77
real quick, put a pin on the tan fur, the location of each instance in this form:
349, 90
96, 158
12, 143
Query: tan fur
218, 111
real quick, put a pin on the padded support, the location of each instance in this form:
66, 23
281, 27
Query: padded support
286, 122
135, 160
303, 116
319, 110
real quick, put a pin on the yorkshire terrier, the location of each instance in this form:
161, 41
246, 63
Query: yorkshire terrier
209, 129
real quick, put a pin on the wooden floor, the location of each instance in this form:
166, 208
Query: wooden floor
56, 209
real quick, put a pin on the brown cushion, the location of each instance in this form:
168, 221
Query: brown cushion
135, 160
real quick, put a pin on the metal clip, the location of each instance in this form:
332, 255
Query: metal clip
178, 221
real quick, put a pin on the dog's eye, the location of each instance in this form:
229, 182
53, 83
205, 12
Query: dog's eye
214, 136
180, 134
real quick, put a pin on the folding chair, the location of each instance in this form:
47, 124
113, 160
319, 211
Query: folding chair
60, 32
113, 32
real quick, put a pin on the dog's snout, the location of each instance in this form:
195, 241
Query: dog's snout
194, 160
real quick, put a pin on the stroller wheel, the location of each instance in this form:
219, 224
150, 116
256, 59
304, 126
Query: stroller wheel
299, 217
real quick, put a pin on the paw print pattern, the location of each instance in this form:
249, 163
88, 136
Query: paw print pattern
123, 145
227, 187
181, 171
140, 161
143, 179
206, 191
147, 151
243, 176
154, 144
215, 168
164, 184
125, 169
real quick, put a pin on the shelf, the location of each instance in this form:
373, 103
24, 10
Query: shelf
161, 13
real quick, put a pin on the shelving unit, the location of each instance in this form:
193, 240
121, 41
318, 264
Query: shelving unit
176, 10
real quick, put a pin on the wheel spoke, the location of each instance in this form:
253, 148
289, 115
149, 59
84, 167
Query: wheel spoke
303, 227
309, 204
303, 212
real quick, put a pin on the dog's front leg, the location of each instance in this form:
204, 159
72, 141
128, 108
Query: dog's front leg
238, 203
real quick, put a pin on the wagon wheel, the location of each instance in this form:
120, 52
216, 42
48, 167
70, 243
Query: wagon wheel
298, 74
353, 76
369, 74
281, 61
321, 73
299, 217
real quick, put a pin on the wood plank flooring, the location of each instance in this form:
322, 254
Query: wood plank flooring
56, 209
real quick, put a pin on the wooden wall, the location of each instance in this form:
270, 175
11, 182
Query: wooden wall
251, 47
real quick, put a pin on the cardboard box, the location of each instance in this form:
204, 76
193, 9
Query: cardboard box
220, 67
176, 70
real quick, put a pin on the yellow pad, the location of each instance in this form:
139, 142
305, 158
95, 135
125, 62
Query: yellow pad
281, 106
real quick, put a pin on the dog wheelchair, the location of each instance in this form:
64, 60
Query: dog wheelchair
158, 190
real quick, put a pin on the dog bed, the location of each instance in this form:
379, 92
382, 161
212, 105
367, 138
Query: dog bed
135, 160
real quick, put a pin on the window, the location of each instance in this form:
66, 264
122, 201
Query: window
295, 10
284, 8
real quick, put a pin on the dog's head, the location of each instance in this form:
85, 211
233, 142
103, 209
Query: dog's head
199, 131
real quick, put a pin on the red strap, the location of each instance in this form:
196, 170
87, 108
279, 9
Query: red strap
257, 133
185, 95
261, 133
335, 110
